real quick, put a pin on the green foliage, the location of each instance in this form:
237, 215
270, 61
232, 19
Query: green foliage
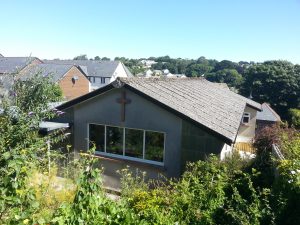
81, 57
18, 155
21, 150
262, 79
295, 117
34, 93
228, 76
286, 192
282, 177
210, 192
287, 139
91, 205
290, 144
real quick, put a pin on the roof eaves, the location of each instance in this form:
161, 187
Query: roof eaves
254, 107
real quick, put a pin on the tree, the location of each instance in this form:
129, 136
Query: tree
22, 149
81, 57
35, 93
196, 70
97, 58
225, 64
228, 76
105, 59
275, 82
163, 59
295, 117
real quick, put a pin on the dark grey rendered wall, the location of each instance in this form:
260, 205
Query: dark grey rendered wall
197, 144
140, 114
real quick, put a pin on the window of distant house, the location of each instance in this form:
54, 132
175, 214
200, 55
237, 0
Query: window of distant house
128, 143
92, 79
102, 80
246, 118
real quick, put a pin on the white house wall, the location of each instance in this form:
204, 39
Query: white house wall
119, 72
246, 132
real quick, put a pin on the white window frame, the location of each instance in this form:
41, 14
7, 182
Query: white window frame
246, 115
143, 160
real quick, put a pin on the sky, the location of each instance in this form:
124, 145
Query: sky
236, 30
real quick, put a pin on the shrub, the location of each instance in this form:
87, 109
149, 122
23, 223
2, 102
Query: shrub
295, 117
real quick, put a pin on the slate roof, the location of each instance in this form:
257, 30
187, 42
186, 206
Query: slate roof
55, 71
267, 114
11, 65
216, 109
94, 67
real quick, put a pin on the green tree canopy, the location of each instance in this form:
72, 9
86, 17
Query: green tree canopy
81, 57
35, 93
295, 117
225, 64
275, 82
105, 59
228, 76
196, 70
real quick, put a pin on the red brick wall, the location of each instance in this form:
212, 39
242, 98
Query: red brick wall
75, 89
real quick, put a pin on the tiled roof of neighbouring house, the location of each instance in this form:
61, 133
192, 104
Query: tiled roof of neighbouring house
56, 72
268, 114
212, 106
10, 65
94, 67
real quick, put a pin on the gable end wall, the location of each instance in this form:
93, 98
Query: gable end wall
73, 90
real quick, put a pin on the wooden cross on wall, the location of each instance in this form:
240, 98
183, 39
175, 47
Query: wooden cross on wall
123, 101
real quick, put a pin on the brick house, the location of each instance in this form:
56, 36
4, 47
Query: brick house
100, 73
71, 78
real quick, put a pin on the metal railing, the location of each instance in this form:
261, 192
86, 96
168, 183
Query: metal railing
276, 152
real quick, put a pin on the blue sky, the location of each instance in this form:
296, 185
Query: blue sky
237, 30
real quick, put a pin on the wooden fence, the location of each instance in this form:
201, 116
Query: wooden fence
244, 147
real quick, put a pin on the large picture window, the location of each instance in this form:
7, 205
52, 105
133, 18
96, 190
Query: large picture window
135, 144
97, 137
154, 146
114, 140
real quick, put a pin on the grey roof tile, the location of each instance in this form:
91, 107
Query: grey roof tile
94, 67
11, 65
267, 114
55, 71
